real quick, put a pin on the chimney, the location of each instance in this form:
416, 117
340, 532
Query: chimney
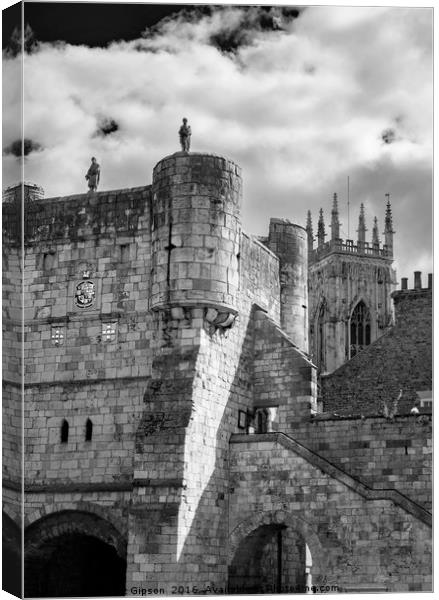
404, 281
430, 281
418, 283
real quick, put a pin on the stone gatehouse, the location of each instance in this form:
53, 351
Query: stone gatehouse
172, 435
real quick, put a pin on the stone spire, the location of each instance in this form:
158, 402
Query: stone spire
321, 229
335, 223
375, 235
361, 227
388, 227
309, 231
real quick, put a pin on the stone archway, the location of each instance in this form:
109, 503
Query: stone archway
274, 552
11, 556
74, 553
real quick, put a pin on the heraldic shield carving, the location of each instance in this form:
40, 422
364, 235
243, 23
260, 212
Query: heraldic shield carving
85, 294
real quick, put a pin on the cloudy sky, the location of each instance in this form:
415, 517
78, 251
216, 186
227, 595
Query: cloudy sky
300, 98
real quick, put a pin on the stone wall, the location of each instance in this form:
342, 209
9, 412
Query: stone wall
259, 276
12, 422
385, 454
12, 302
86, 362
12, 372
201, 380
355, 538
112, 405
158, 386
283, 377
131, 404
401, 359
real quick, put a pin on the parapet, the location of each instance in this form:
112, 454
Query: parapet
72, 217
340, 246
414, 305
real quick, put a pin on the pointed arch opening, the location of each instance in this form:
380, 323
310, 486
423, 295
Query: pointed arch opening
320, 337
273, 551
273, 558
359, 329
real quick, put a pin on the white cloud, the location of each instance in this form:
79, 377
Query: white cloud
299, 109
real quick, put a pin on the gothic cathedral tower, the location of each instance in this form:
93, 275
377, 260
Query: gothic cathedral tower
349, 289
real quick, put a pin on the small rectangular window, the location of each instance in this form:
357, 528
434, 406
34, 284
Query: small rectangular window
109, 332
57, 335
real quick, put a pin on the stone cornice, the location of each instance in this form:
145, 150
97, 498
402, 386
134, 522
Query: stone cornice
72, 382
90, 487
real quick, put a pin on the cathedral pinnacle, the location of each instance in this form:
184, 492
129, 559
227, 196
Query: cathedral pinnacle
335, 223
388, 228
361, 226
388, 223
309, 231
321, 229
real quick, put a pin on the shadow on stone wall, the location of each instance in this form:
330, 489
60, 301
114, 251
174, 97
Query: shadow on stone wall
11, 557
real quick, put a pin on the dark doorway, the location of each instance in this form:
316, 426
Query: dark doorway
74, 564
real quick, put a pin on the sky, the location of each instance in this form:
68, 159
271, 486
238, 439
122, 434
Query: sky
301, 99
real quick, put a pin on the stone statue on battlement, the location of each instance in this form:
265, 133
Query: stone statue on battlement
93, 175
185, 136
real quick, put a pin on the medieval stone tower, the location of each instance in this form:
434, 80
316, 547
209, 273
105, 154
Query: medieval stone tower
171, 438
350, 283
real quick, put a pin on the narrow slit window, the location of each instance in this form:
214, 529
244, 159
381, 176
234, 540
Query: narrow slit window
88, 430
124, 252
48, 260
64, 432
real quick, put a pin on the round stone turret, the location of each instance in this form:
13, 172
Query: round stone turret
195, 225
290, 243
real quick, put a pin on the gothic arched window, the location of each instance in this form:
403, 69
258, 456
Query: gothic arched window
359, 328
321, 338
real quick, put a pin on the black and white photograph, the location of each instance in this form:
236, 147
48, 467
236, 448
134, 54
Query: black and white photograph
217, 234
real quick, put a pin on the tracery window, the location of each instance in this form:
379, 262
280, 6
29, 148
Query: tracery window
359, 329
